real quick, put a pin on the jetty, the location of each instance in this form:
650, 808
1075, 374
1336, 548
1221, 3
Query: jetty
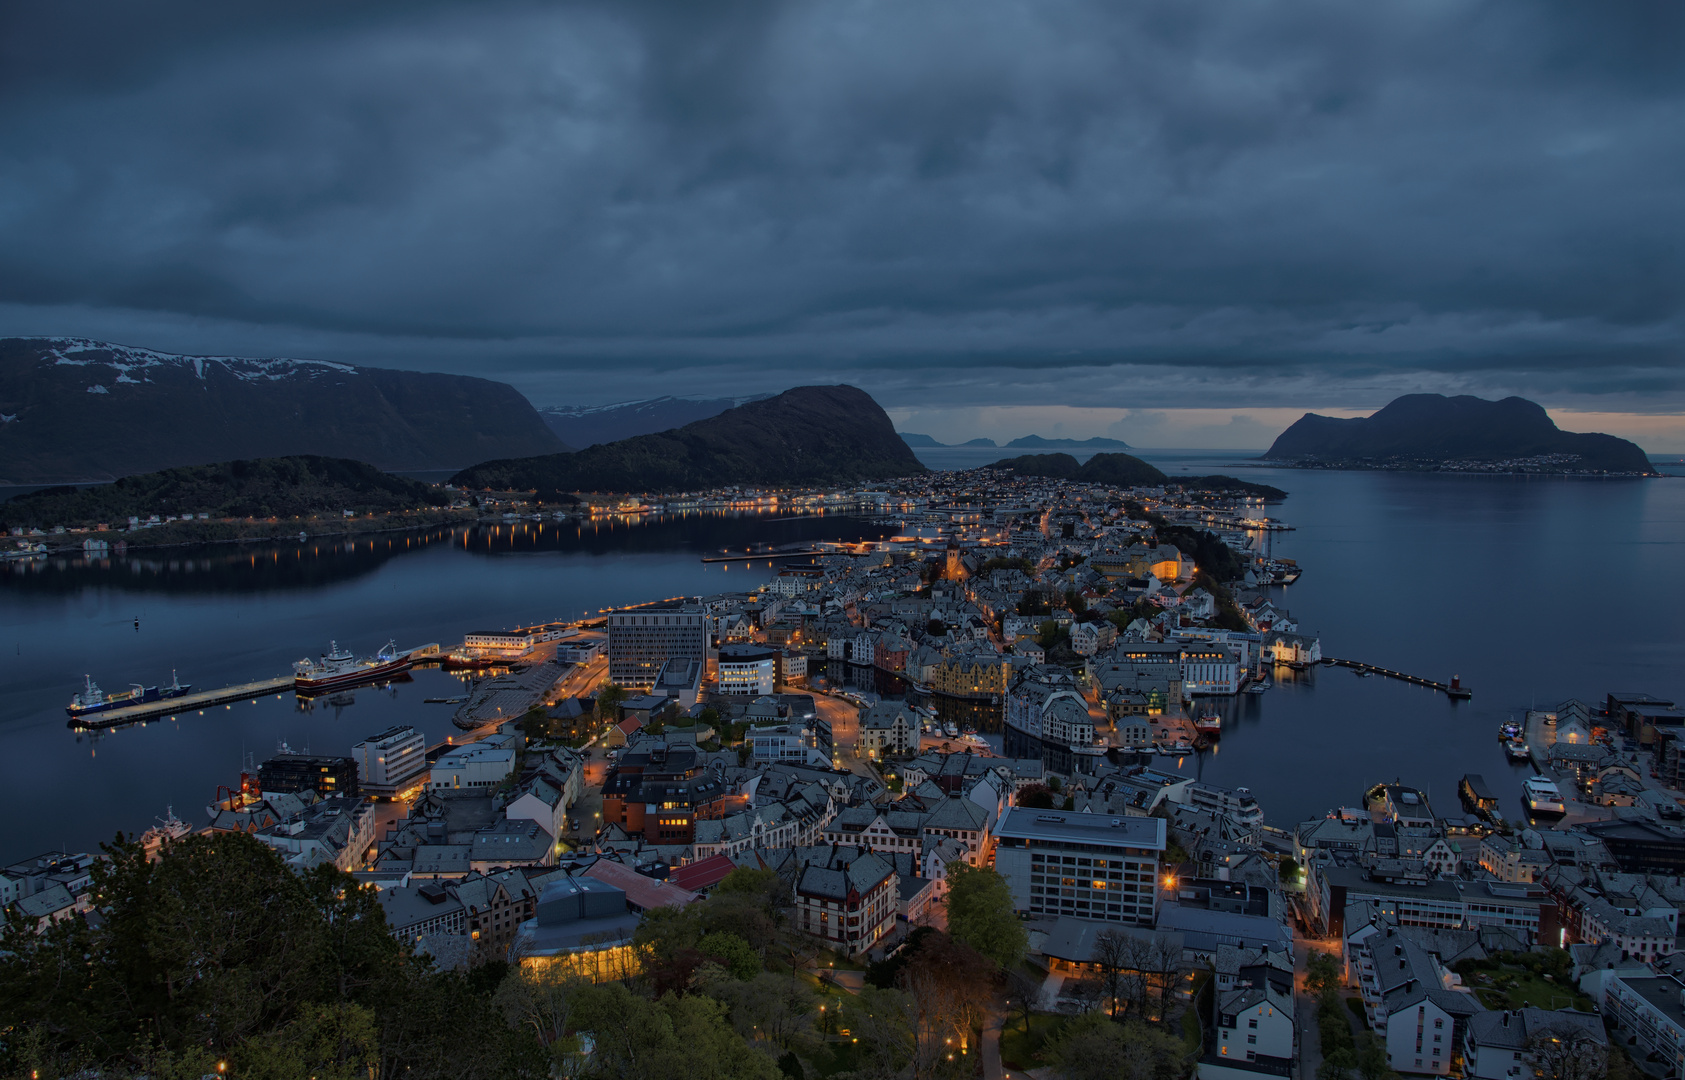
765, 556
1453, 689
186, 703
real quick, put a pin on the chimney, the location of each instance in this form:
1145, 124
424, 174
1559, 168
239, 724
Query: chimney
1506, 1018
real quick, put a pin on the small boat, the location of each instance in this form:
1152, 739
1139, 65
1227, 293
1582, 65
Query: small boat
1517, 750
1509, 730
1258, 687
1209, 724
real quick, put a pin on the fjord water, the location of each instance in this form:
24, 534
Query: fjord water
1530, 590
228, 614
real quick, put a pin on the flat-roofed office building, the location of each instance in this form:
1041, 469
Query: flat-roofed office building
393, 761
642, 639
1089, 866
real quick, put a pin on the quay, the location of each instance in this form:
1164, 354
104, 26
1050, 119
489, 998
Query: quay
185, 703
1453, 689
763, 556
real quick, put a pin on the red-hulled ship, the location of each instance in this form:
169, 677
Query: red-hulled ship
337, 669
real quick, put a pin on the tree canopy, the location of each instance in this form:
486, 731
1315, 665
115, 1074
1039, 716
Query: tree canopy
981, 914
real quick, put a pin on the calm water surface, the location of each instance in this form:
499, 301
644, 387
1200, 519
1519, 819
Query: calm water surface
229, 614
1530, 590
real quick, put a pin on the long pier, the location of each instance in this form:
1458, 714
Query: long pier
766, 556
1453, 689
185, 703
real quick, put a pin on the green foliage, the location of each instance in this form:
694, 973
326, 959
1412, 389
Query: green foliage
734, 954
1288, 869
1207, 550
219, 952
710, 716
609, 697
884, 973
1095, 1047
935, 628
981, 914
1050, 634
791, 1066
675, 1038
991, 565
1035, 797
1321, 972
284, 487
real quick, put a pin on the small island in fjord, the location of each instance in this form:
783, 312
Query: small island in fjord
1435, 433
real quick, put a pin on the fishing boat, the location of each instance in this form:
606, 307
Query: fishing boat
1209, 724
169, 828
338, 669
1517, 750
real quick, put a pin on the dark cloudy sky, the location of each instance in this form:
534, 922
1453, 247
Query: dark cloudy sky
1097, 214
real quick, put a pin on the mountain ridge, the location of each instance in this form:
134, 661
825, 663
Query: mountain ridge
808, 435
1425, 430
75, 410
1036, 442
580, 426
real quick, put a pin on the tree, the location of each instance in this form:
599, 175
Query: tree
541, 999
1111, 956
674, 1038
951, 985
1094, 1047
1035, 797
1371, 1053
1321, 972
981, 914
935, 628
1288, 869
739, 959
1563, 1050
1023, 994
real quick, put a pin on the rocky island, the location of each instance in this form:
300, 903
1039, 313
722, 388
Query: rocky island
1435, 433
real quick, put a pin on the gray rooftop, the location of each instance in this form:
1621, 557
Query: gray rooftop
1074, 828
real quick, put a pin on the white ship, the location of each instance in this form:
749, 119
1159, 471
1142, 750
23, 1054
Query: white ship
1542, 796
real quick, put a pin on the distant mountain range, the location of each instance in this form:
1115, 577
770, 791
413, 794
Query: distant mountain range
285, 487
1027, 442
78, 410
808, 435
1431, 430
1122, 470
587, 425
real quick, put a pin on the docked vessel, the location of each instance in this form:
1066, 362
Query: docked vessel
94, 700
1518, 750
1542, 796
337, 669
1209, 724
169, 828
951, 729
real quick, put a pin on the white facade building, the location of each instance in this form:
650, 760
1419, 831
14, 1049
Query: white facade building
391, 762
475, 767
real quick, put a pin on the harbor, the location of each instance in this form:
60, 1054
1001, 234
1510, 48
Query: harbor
187, 703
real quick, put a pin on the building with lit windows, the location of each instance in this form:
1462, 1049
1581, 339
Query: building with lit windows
660, 792
1089, 866
849, 899
748, 670
393, 761
642, 639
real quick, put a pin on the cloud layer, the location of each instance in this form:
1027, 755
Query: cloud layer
1143, 206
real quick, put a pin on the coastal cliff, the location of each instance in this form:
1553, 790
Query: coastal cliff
1431, 431
808, 435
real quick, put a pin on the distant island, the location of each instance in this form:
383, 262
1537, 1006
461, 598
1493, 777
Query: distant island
808, 435
1023, 442
1122, 470
1036, 442
580, 426
1431, 432
74, 410
233, 500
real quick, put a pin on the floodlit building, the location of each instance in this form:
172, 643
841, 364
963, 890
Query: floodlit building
391, 762
642, 639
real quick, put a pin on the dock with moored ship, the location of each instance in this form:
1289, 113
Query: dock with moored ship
173, 707
1453, 689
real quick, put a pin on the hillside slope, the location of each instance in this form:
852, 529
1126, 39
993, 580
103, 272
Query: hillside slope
580, 426
1427, 429
76, 410
284, 487
1122, 470
809, 435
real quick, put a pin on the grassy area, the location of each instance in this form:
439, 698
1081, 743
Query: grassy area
1017, 1049
1512, 988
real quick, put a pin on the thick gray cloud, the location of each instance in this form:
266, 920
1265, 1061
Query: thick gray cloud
1289, 203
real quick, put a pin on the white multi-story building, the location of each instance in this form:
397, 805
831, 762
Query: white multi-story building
1254, 1033
1210, 669
1089, 866
392, 761
475, 767
748, 670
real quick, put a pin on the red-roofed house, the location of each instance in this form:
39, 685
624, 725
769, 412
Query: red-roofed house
642, 893
704, 874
